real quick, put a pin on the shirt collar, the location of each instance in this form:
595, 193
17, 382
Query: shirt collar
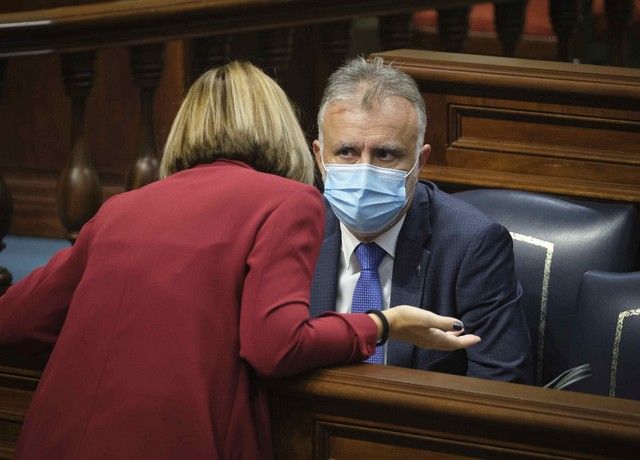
386, 241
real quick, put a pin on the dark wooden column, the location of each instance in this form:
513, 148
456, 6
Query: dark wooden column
208, 52
277, 49
564, 15
395, 31
618, 18
79, 191
146, 65
6, 204
509, 20
336, 41
3, 70
6, 212
453, 27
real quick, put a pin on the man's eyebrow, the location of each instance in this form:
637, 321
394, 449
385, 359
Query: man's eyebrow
392, 149
345, 145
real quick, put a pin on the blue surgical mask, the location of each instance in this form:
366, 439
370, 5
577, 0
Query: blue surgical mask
364, 197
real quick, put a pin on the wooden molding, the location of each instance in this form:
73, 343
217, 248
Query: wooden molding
623, 136
353, 411
533, 76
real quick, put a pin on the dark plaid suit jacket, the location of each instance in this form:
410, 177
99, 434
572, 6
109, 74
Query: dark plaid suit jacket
453, 260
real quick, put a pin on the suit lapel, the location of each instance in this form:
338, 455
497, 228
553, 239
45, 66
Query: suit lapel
410, 268
325, 278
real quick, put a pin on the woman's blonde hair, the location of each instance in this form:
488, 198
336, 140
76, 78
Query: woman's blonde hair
237, 112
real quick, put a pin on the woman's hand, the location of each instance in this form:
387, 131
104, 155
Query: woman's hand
426, 329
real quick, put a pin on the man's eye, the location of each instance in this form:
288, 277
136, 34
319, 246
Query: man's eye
346, 153
386, 155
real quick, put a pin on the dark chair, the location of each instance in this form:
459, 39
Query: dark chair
556, 240
607, 334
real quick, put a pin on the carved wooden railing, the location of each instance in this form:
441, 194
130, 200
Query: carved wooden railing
77, 33
571, 22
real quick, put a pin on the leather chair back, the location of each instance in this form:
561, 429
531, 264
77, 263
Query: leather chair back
556, 240
607, 334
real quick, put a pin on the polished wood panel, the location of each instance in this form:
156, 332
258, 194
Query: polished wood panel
531, 125
364, 411
13, 406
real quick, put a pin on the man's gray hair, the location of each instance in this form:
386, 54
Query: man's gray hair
373, 81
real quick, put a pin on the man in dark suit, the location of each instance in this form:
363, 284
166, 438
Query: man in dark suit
439, 253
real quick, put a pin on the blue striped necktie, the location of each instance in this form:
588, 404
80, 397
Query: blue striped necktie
368, 292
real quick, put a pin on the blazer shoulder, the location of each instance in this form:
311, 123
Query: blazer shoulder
455, 216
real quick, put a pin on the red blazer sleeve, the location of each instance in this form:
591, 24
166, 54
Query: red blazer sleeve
32, 311
277, 336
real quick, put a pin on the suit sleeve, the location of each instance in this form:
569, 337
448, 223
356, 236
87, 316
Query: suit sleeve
33, 310
277, 336
488, 296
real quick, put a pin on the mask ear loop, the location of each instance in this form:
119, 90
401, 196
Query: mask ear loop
412, 168
322, 161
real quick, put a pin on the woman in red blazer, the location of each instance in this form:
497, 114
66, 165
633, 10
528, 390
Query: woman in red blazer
176, 297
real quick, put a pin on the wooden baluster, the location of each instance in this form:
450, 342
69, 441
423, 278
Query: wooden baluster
146, 65
564, 15
453, 27
618, 17
3, 69
395, 31
509, 20
6, 204
207, 53
6, 212
336, 41
79, 194
277, 49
